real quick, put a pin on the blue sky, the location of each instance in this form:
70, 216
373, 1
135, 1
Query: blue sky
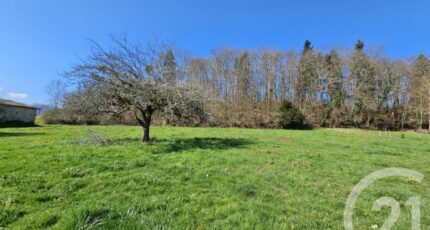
40, 39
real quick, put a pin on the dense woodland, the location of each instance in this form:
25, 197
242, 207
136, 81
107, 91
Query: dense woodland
340, 88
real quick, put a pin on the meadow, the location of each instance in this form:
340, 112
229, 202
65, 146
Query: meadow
103, 177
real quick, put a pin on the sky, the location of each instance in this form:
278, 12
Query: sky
41, 39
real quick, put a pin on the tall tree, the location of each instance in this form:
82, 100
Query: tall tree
334, 71
336, 94
243, 72
420, 72
131, 79
57, 90
307, 74
169, 66
364, 85
242, 103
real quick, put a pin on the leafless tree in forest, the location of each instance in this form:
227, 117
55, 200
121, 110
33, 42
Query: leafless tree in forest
57, 90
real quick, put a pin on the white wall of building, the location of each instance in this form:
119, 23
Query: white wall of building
14, 113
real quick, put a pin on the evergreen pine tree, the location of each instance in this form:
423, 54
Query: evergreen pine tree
307, 75
419, 89
243, 72
364, 93
169, 67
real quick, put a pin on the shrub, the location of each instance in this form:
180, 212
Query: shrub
53, 116
290, 117
93, 137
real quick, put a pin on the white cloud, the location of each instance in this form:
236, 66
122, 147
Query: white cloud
17, 95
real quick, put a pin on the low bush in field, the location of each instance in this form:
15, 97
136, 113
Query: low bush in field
290, 117
53, 116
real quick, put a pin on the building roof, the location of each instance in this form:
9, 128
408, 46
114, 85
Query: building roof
15, 104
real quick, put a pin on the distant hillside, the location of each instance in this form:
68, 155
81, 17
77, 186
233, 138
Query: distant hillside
41, 107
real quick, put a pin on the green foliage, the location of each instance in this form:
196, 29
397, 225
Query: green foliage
307, 46
359, 45
53, 116
290, 117
169, 66
366, 89
335, 103
333, 67
243, 72
307, 75
38, 120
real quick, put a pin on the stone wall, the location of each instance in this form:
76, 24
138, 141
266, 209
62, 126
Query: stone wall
13, 113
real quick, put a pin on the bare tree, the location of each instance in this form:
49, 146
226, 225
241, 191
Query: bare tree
132, 79
57, 90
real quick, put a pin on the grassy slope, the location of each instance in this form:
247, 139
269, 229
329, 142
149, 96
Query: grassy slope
203, 178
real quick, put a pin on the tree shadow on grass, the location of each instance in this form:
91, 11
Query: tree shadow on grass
15, 124
300, 127
2, 134
214, 143
170, 145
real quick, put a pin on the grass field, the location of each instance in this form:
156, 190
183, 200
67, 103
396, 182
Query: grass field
67, 177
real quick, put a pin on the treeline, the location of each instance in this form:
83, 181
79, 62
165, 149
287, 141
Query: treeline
244, 88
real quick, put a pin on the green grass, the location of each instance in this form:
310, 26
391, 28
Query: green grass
65, 177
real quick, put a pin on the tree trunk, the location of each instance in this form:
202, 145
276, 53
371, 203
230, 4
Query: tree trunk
144, 120
145, 137
402, 119
146, 126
